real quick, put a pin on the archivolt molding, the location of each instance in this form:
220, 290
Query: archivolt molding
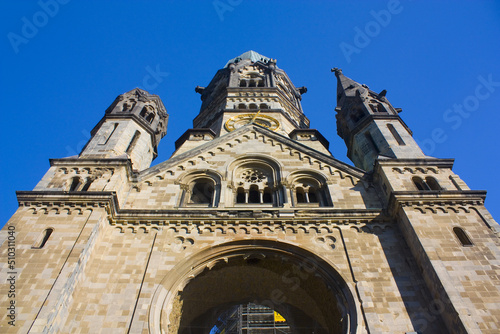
224, 254
190, 176
320, 177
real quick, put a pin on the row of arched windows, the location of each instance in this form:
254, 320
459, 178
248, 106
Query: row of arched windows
252, 106
252, 83
307, 195
147, 112
255, 183
202, 191
254, 195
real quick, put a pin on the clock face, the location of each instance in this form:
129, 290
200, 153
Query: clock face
238, 121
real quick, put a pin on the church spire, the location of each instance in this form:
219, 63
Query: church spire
370, 125
249, 83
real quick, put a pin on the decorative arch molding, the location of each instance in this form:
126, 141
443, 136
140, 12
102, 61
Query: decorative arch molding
192, 175
321, 177
339, 309
255, 157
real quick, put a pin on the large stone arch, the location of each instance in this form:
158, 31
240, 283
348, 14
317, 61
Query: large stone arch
300, 285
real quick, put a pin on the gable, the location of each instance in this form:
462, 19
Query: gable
257, 140
281, 170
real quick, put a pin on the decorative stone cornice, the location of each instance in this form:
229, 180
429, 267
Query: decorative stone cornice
247, 227
61, 200
438, 198
277, 218
92, 162
414, 163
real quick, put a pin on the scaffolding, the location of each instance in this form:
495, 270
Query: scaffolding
251, 319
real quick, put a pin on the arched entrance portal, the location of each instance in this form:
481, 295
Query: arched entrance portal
304, 288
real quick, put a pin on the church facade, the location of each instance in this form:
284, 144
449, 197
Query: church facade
251, 208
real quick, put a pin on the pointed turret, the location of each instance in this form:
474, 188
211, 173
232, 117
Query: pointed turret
370, 125
131, 127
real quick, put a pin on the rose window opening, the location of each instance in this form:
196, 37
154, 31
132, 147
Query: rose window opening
254, 186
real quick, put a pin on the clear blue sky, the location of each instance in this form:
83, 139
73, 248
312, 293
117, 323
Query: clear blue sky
62, 66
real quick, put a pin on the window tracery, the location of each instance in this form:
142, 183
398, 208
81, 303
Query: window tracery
254, 186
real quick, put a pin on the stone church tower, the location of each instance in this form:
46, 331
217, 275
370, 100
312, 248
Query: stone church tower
251, 208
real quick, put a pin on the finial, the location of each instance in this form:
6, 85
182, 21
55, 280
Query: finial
337, 70
272, 64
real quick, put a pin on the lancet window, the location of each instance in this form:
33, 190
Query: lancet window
42, 240
462, 237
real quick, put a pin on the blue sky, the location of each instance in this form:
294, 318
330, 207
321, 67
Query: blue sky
64, 62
